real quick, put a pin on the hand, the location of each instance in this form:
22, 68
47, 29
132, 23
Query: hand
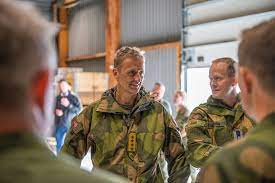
58, 112
65, 102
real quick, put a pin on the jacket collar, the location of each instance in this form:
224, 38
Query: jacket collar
108, 104
218, 107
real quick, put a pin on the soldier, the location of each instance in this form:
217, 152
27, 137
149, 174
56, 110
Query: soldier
182, 111
253, 158
26, 101
221, 119
126, 129
158, 93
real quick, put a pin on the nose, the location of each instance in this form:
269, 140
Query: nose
138, 77
213, 84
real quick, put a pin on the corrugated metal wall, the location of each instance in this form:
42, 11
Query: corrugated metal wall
87, 28
205, 25
89, 65
205, 28
146, 22
211, 29
161, 67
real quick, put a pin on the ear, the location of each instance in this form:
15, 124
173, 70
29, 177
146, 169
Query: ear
40, 86
245, 80
115, 73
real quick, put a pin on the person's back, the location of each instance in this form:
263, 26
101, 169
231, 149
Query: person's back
26, 159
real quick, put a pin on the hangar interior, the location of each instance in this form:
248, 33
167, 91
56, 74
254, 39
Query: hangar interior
180, 37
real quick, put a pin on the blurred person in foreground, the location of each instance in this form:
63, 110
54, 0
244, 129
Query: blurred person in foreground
126, 129
28, 62
67, 106
251, 159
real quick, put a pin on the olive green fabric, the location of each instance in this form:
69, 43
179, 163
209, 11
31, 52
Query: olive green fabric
128, 142
251, 159
211, 125
182, 117
23, 158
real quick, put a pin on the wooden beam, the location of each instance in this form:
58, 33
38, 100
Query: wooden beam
87, 57
63, 43
145, 48
112, 32
161, 46
70, 3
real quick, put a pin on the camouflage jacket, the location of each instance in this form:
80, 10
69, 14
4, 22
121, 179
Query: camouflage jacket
182, 117
24, 158
211, 125
128, 142
251, 159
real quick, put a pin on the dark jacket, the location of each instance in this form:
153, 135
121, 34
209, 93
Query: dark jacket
68, 112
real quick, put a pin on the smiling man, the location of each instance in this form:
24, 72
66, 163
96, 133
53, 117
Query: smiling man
221, 119
126, 129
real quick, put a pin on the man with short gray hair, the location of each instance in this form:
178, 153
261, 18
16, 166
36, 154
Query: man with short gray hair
221, 119
126, 129
28, 62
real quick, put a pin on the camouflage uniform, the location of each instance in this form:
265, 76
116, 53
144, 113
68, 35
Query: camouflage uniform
128, 142
211, 125
251, 159
23, 158
162, 162
182, 117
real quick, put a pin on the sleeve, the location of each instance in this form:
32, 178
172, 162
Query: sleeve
77, 141
75, 105
199, 141
175, 154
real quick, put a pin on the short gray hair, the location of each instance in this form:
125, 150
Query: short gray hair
26, 46
231, 65
128, 52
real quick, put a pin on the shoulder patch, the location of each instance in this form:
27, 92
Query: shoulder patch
196, 116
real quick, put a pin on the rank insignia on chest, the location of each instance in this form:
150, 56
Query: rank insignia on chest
132, 142
238, 134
